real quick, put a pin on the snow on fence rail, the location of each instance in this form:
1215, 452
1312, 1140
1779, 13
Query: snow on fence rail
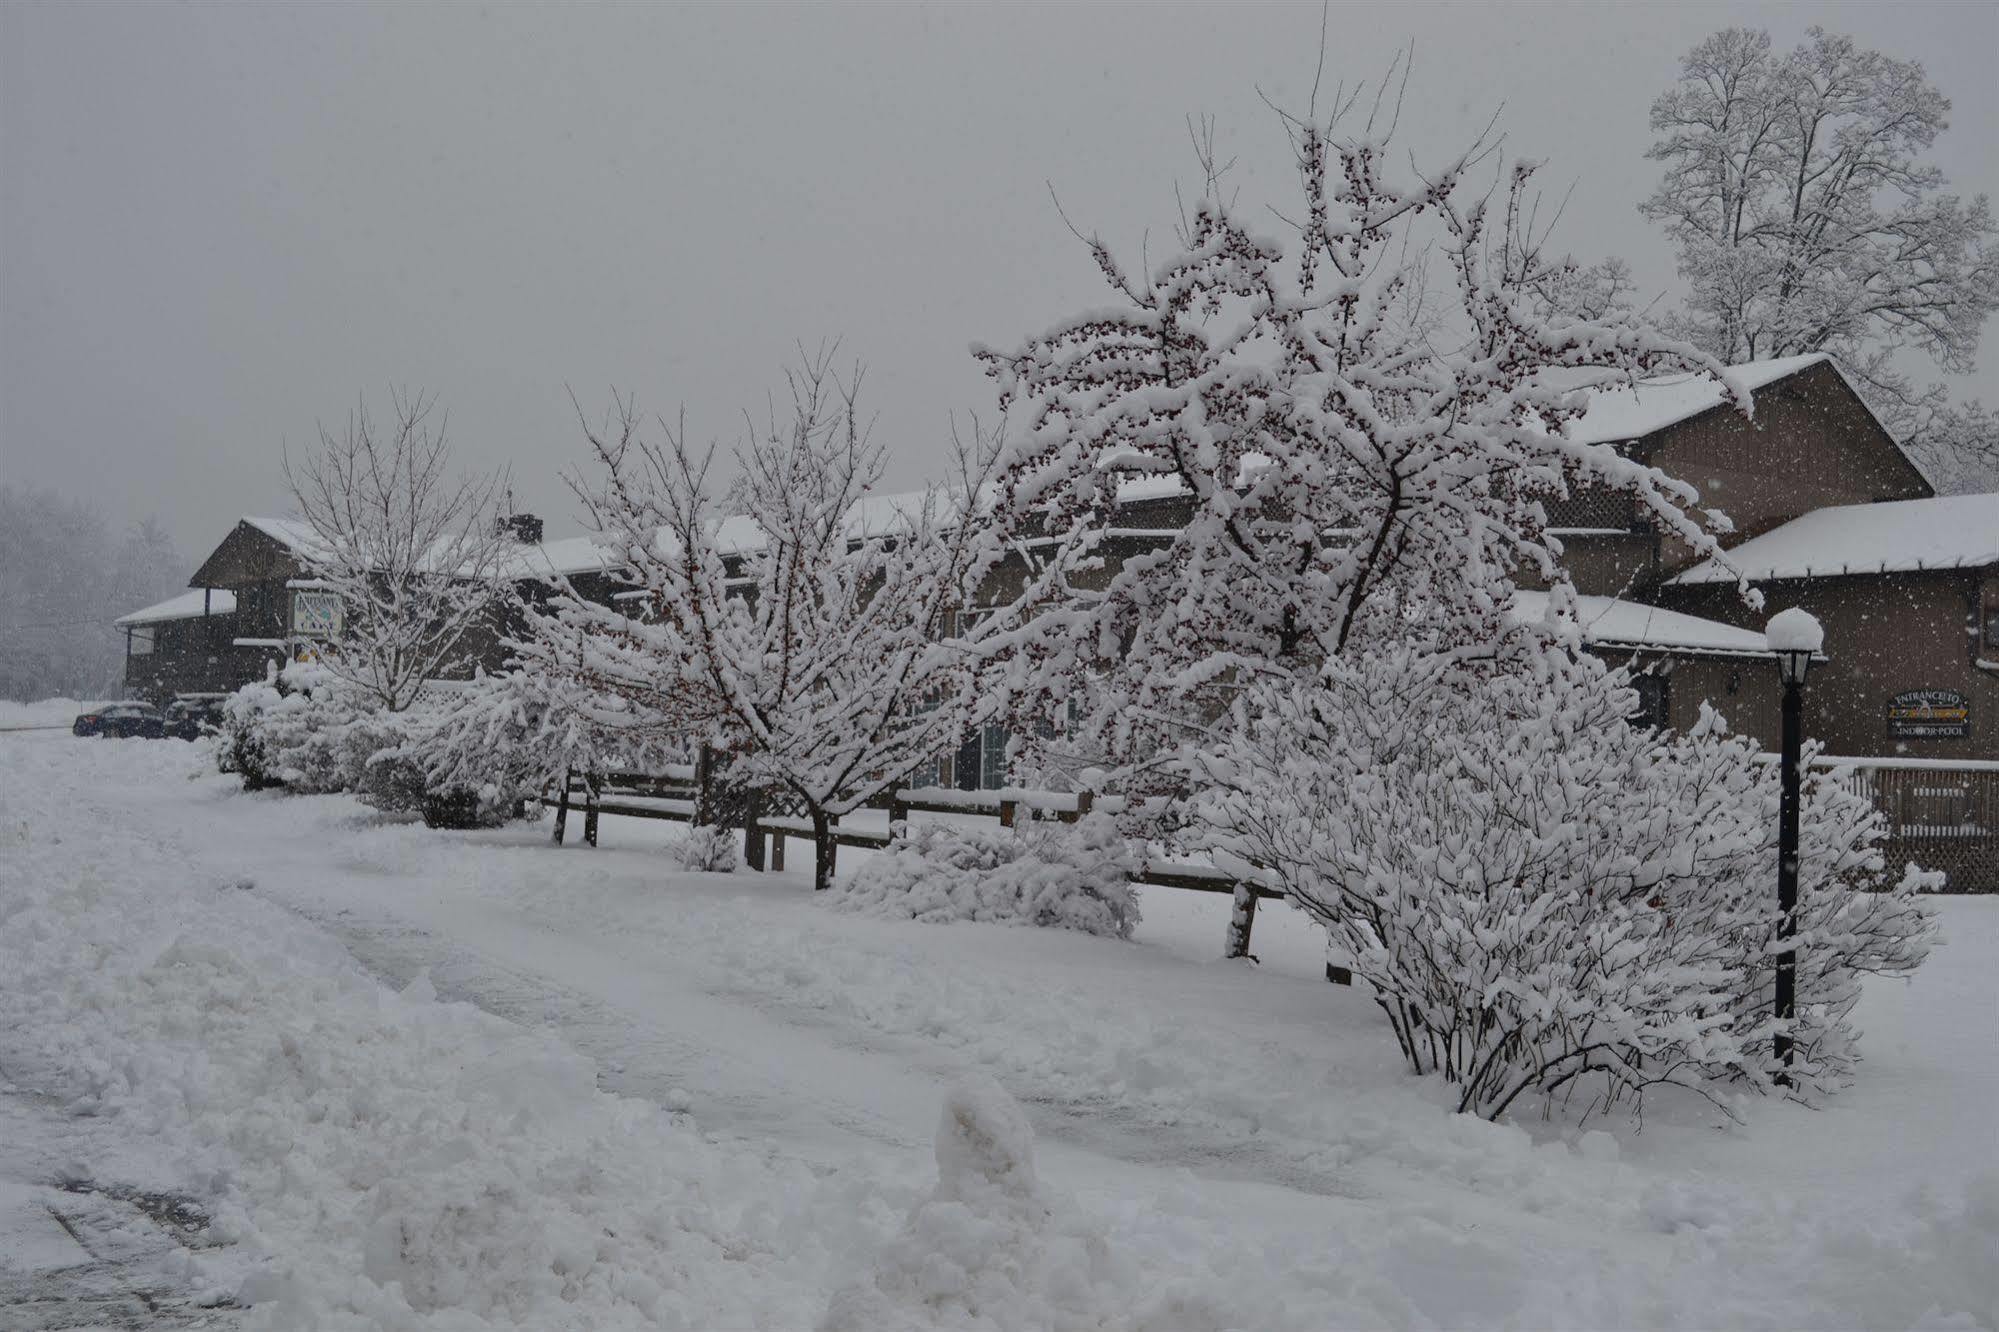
677, 794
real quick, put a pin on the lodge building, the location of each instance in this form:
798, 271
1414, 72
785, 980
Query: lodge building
1828, 511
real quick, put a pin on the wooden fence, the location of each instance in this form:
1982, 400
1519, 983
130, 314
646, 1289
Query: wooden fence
681, 794
1942, 814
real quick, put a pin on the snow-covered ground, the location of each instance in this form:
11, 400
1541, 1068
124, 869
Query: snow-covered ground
275, 1061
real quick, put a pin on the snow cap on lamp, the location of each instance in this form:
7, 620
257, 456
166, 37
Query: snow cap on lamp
1794, 637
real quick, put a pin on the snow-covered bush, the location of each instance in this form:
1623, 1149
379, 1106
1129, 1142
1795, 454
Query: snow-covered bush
707, 849
239, 745
501, 741
1542, 894
313, 733
1072, 877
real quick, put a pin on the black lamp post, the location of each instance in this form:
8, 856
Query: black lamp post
1794, 638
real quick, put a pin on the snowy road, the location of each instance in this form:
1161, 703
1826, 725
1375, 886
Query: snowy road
1242, 1139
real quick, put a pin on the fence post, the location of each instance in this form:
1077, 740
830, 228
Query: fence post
776, 851
1084, 799
1008, 810
1241, 921
590, 811
562, 808
753, 836
898, 816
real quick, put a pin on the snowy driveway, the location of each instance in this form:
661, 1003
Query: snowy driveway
1242, 1140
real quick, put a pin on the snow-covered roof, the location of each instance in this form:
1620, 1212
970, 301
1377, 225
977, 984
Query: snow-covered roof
1611, 622
288, 532
1649, 405
567, 555
1947, 532
186, 606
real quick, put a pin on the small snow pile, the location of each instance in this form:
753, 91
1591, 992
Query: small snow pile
1073, 877
707, 849
992, 1248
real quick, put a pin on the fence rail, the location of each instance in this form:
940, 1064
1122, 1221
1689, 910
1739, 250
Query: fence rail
677, 795
1943, 815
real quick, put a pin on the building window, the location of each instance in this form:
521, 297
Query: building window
1654, 701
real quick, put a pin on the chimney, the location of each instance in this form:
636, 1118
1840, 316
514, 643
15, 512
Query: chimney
522, 527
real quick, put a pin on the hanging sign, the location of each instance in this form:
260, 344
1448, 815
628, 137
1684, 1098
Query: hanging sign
1929, 714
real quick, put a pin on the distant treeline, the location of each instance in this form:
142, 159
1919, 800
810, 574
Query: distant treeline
65, 575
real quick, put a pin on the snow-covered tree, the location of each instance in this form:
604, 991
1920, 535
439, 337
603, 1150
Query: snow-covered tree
411, 552
1807, 219
798, 621
1544, 897
1358, 462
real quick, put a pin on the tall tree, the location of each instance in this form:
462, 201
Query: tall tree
1351, 465
411, 552
802, 623
1807, 220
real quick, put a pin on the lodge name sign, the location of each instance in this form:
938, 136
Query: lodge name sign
1929, 714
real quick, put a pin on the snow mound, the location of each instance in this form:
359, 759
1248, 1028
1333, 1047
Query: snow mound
1072, 877
992, 1248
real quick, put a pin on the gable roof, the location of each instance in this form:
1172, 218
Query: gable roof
186, 606
1898, 536
1648, 406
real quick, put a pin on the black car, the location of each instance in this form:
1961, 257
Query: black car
122, 720
191, 718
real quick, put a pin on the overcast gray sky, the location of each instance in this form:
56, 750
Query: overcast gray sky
220, 225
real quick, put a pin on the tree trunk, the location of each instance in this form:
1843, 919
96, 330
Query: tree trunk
824, 849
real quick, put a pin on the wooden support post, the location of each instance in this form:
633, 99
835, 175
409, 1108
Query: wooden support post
776, 851
1008, 810
1083, 801
562, 809
898, 817
1241, 921
590, 811
753, 835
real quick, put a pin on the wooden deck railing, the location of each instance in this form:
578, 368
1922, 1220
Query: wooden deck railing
1943, 814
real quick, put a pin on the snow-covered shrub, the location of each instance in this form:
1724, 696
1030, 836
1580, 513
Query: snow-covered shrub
314, 733
500, 741
707, 849
1067, 876
1540, 893
239, 744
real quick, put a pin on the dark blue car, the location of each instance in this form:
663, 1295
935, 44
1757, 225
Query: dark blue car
122, 721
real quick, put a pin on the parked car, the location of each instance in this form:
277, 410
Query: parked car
191, 718
122, 720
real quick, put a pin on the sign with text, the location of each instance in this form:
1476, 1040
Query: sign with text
316, 614
1929, 714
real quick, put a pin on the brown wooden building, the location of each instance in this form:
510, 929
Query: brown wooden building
256, 606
